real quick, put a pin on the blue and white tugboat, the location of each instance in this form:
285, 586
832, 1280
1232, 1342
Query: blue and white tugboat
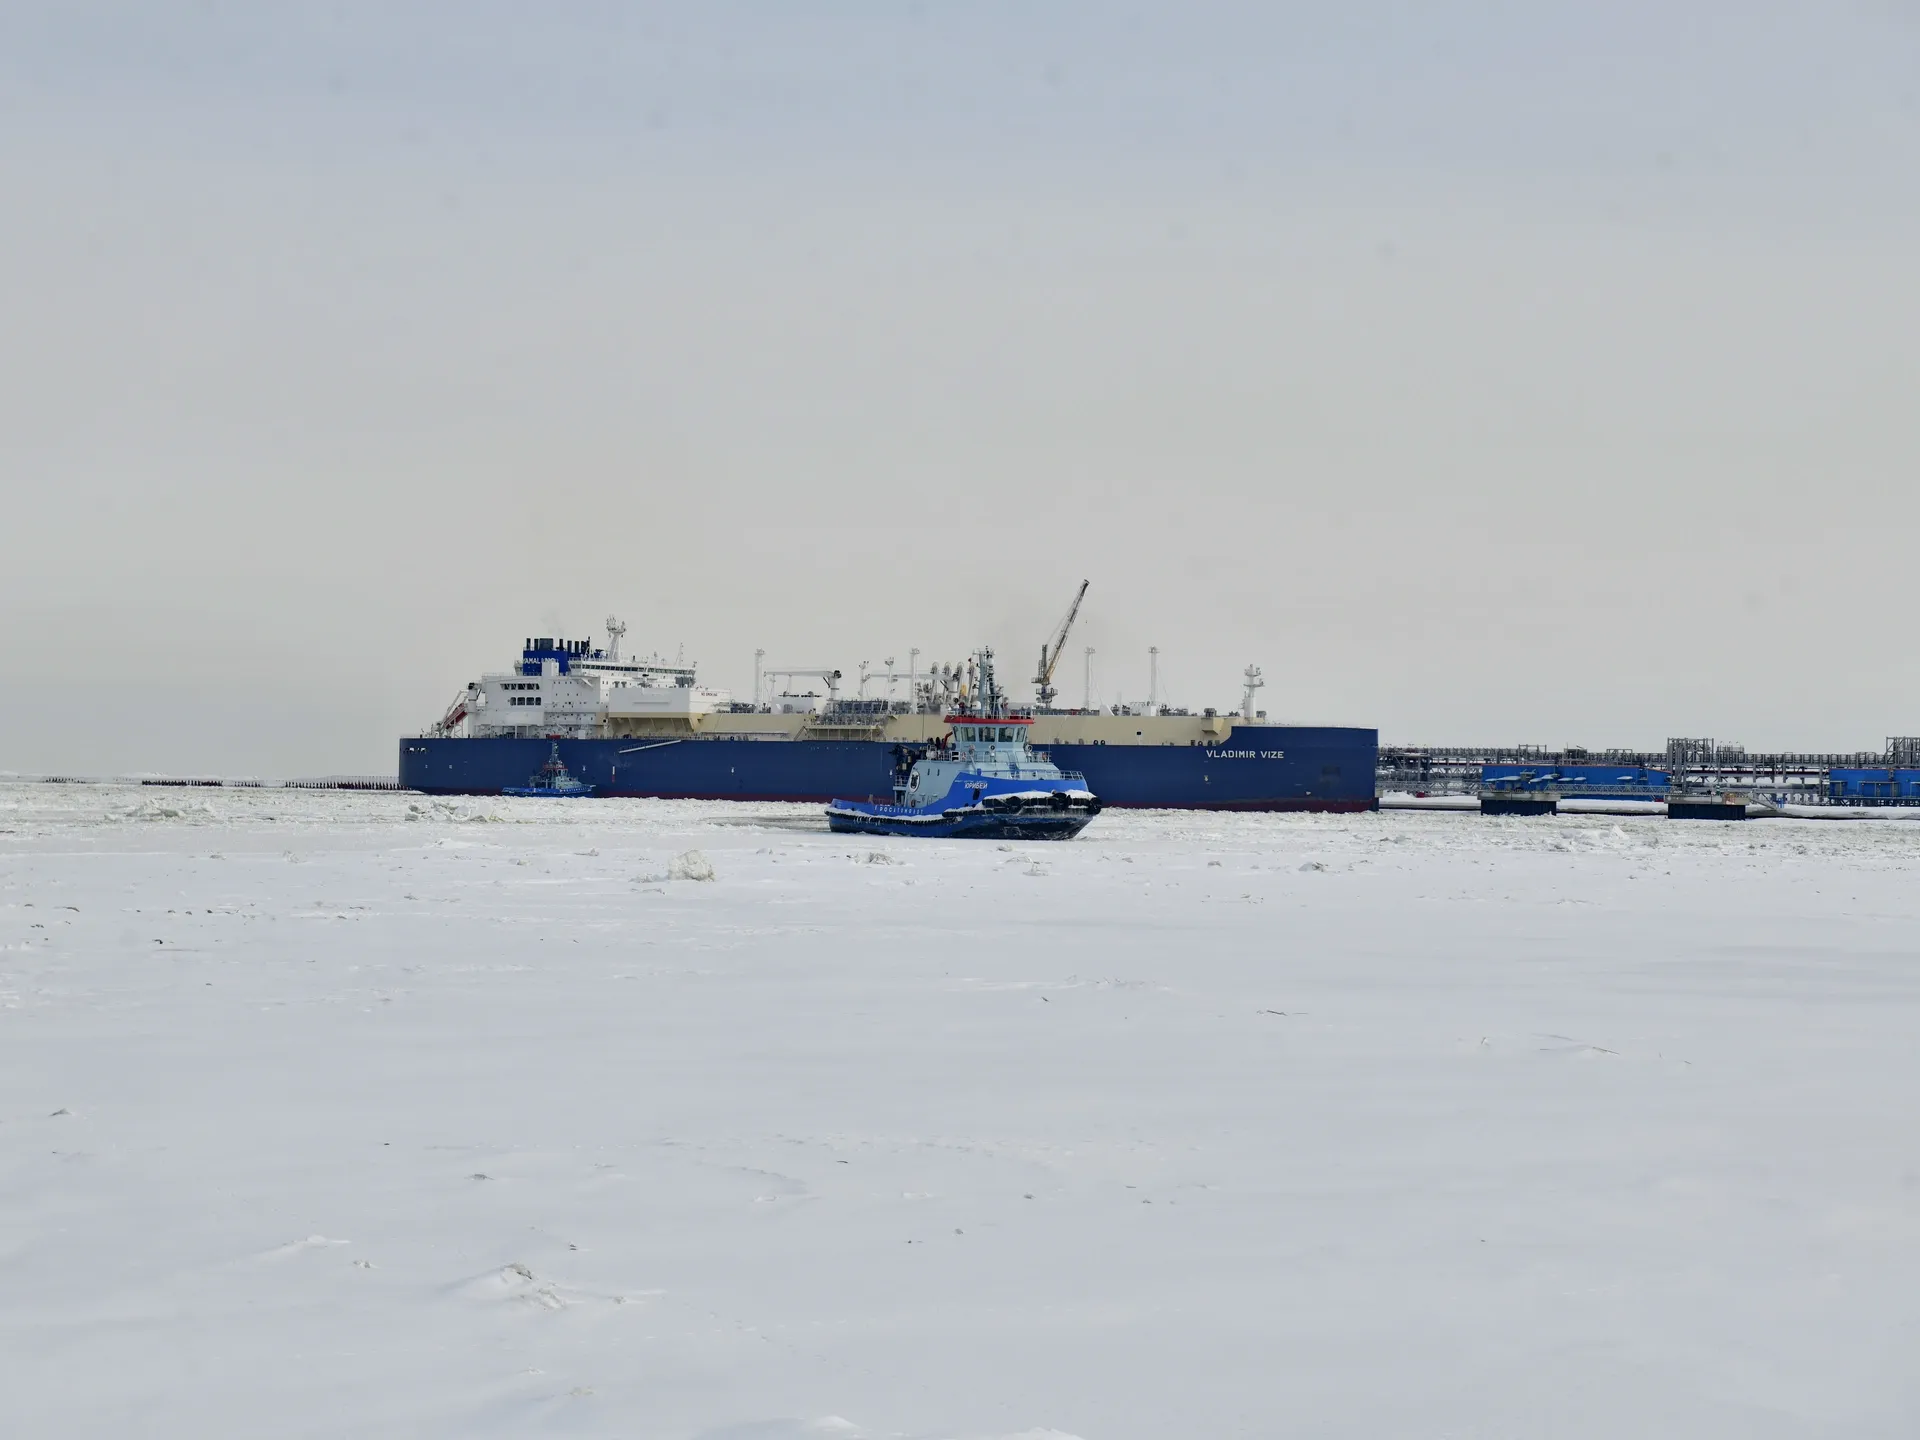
553, 782
982, 781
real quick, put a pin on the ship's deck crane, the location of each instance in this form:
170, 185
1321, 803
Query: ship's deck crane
789, 672
1051, 651
463, 705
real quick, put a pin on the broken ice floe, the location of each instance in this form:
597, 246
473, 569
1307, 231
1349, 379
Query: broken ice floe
688, 865
691, 865
517, 1283
188, 810
295, 1247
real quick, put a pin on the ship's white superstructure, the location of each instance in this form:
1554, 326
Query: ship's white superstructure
569, 689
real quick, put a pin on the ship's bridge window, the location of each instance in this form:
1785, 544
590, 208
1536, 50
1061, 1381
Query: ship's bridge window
1006, 732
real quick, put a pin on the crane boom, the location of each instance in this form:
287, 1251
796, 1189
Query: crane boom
1051, 651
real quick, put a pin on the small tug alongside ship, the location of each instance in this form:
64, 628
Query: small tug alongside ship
983, 781
633, 727
552, 783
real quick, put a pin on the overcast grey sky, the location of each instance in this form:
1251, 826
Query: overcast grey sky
1486, 372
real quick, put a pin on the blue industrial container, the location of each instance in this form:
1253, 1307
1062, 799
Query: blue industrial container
1630, 782
1873, 786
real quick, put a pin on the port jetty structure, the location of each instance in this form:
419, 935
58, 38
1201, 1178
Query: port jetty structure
1693, 778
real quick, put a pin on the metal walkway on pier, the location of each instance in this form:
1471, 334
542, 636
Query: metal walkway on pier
1692, 766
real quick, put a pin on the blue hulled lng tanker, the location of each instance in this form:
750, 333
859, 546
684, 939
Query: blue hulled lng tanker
645, 727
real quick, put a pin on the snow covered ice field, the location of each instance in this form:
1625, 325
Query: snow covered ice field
366, 1115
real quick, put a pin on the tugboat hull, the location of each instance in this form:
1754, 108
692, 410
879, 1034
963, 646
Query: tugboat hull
956, 825
976, 806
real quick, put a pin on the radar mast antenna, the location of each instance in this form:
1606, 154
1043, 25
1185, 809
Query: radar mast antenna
616, 632
1250, 682
1051, 651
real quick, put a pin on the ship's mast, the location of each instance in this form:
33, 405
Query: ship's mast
616, 632
988, 701
1250, 683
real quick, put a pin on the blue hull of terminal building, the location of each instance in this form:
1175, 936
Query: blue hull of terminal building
1256, 767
